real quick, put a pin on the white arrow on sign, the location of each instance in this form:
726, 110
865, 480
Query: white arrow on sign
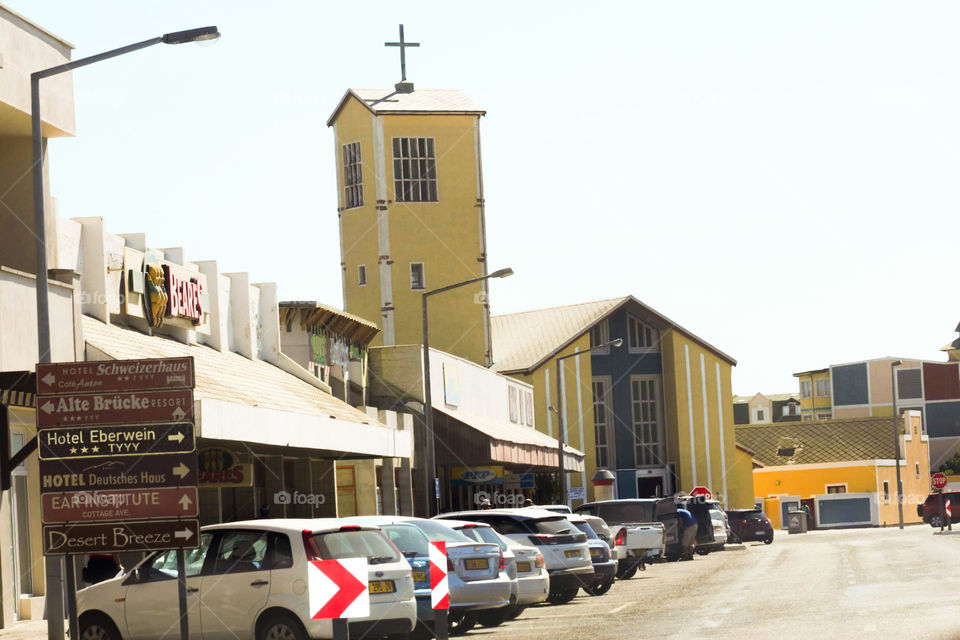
48, 407
185, 502
178, 413
49, 379
181, 470
186, 534
177, 437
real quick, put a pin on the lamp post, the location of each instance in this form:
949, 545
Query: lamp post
433, 507
561, 436
896, 437
54, 573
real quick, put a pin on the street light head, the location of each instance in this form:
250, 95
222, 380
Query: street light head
617, 342
896, 363
502, 273
191, 35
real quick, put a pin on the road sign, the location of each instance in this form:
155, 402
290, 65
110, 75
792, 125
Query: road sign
939, 481
338, 588
946, 507
439, 588
123, 472
125, 504
114, 408
58, 443
112, 537
115, 375
702, 491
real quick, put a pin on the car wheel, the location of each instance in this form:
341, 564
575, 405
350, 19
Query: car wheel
702, 552
562, 597
281, 626
459, 623
629, 573
599, 588
98, 627
936, 521
768, 539
515, 612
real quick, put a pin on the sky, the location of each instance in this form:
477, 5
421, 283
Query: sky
778, 178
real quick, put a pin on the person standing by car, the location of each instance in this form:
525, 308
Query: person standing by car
688, 537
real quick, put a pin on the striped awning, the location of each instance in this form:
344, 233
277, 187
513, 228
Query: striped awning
18, 389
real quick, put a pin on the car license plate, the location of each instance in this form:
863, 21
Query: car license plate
523, 567
419, 576
572, 553
594, 553
475, 564
382, 586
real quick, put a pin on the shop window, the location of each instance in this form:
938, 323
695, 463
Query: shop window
837, 488
346, 492
361, 274
823, 388
414, 170
886, 491
804, 388
825, 416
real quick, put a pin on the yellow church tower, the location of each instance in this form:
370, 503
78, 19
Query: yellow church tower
410, 195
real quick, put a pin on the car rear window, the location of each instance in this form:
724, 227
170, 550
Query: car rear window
554, 526
361, 543
440, 532
600, 527
483, 534
408, 539
587, 529
626, 512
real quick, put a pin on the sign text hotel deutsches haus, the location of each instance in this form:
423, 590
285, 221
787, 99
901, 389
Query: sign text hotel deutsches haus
117, 448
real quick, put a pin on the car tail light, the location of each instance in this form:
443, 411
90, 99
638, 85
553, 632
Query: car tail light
621, 538
503, 562
310, 546
543, 539
540, 561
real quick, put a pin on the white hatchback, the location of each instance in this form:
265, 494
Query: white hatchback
248, 580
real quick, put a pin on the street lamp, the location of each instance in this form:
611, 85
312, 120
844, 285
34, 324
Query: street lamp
433, 506
896, 437
561, 436
54, 572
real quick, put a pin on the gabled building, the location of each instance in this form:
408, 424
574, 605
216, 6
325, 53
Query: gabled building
657, 411
843, 470
764, 409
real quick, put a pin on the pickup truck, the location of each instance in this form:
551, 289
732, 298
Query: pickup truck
637, 535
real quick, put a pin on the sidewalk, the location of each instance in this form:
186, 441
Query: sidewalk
26, 630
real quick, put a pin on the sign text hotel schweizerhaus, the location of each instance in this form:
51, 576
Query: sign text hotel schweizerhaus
118, 463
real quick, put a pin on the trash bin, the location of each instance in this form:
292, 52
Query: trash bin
797, 521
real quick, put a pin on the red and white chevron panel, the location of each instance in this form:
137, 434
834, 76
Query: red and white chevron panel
439, 589
946, 506
338, 588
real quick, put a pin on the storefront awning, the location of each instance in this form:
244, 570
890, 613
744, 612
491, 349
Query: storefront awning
244, 400
505, 442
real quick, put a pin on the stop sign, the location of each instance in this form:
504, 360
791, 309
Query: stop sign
939, 480
703, 491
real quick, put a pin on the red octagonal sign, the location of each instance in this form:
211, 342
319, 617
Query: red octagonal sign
701, 491
939, 480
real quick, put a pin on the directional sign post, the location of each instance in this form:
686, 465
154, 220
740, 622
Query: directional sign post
118, 462
338, 589
439, 588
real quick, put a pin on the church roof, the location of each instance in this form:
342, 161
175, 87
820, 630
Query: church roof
391, 101
523, 341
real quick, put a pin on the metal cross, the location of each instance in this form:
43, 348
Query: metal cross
403, 58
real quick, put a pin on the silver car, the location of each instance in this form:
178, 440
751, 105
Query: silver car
564, 547
476, 572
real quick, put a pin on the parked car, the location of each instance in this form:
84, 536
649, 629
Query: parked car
476, 572
750, 524
711, 522
527, 571
930, 509
242, 582
556, 508
564, 547
604, 562
644, 530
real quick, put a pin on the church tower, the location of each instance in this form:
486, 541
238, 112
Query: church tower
410, 196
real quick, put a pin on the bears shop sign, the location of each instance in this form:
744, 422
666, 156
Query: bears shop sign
184, 296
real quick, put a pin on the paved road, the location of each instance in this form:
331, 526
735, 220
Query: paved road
877, 583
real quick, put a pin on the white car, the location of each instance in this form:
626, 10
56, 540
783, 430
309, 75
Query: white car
564, 547
248, 580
